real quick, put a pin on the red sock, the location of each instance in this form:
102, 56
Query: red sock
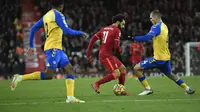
122, 78
106, 78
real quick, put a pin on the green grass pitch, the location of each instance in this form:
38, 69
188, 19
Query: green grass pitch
49, 96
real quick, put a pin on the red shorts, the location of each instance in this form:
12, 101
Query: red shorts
111, 63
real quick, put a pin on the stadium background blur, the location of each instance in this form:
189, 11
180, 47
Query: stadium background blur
90, 16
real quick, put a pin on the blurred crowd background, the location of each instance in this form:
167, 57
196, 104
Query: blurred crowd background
90, 16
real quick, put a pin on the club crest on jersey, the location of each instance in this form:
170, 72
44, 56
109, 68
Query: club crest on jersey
144, 62
54, 62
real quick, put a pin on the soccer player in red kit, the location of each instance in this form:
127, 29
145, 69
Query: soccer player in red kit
109, 37
136, 51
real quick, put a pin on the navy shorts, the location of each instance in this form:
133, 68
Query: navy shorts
150, 63
56, 58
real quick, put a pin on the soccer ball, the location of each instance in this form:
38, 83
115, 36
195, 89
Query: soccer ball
118, 89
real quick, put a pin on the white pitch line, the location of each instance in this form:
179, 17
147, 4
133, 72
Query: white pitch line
100, 101
31, 103
151, 100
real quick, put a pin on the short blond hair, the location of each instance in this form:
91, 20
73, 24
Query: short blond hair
156, 13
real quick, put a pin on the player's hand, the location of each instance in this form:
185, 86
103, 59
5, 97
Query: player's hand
88, 54
30, 52
131, 37
84, 35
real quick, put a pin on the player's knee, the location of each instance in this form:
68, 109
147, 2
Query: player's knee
117, 73
49, 74
136, 67
122, 68
172, 76
69, 69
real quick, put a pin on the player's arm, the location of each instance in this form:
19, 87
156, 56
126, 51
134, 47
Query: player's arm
155, 30
60, 20
91, 44
34, 29
117, 41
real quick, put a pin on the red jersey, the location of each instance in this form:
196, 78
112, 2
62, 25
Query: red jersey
110, 40
136, 49
108, 37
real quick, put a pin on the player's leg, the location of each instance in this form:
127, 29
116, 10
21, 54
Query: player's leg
166, 69
135, 61
138, 71
122, 70
148, 63
113, 70
109, 77
70, 80
32, 76
122, 77
51, 65
52, 60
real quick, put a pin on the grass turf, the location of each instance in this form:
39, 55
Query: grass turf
49, 96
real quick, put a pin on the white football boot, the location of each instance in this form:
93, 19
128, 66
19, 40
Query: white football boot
146, 92
74, 100
15, 82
